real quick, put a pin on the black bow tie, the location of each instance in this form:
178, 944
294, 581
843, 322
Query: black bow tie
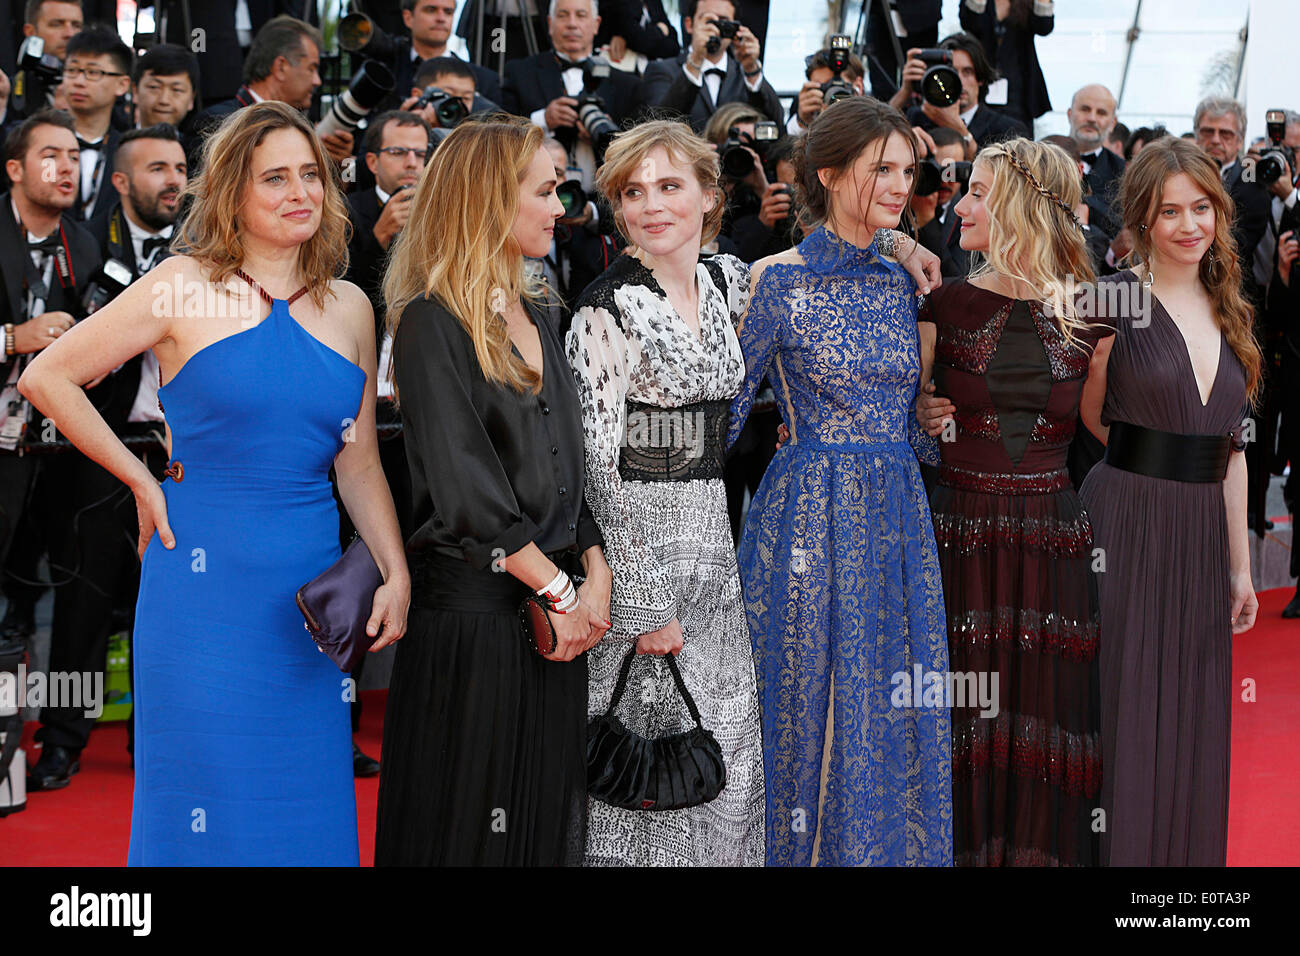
715, 71
155, 242
48, 244
82, 144
570, 64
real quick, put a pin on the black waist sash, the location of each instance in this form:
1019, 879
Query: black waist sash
674, 444
1157, 454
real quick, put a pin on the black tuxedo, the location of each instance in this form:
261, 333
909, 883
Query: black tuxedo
666, 86
989, 125
366, 257
534, 81
1103, 180
106, 198
1254, 207
622, 18
211, 118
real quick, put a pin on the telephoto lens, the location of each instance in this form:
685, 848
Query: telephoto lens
367, 90
359, 34
941, 84
572, 197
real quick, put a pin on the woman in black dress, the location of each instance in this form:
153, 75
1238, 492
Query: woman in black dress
1169, 394
484, 756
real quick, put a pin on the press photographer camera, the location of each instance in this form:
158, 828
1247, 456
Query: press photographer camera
735, 156
449, 110
1277, 158
932, 176
837, 60
369, 87
727, 30
113, 277
38, 75
941, 84
592, 115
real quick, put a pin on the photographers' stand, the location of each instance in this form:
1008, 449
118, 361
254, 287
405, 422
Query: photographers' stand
525, 24
859, 35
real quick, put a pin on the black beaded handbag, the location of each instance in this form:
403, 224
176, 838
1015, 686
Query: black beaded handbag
668, 773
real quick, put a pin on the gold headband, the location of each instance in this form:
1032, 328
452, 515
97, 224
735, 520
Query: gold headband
1025, 171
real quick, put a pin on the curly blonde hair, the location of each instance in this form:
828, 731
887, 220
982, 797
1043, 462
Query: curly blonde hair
211, 232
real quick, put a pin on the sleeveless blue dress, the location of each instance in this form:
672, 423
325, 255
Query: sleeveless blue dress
243, 753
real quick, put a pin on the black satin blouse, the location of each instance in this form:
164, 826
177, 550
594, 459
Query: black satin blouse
491, 468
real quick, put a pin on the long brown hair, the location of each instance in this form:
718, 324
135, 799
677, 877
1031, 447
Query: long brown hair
210, 231
1220, 272
836, 138
1033, 235
458, 243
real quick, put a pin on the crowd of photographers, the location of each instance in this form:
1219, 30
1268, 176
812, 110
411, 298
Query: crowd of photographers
100, 140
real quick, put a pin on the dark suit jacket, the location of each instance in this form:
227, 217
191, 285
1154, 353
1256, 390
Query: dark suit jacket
1254, 206
989, 124
486, 82
211, 118
534, 81
667, 87
1015, 57
106, 198
1103, 181
114, 396
366, 257
623, 18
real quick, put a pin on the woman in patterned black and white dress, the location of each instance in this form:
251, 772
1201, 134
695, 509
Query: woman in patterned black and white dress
657, 361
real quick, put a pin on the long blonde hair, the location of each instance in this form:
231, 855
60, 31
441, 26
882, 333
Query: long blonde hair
1220, 271
1033, 234
458, 245
210, 231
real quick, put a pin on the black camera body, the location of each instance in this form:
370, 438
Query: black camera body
447, 109
592, 113
735, 159
38, 72
941, 84
837, 58
931, 175
1278, 157
727, 30
112, 278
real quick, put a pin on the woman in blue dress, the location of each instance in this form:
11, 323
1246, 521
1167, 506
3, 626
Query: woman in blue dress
243, 750
838, 556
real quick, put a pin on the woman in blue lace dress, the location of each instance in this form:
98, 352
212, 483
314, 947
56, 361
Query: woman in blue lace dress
838, 559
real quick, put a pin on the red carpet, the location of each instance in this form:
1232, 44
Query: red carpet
89, 822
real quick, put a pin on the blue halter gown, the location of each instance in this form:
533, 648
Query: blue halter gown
243, 750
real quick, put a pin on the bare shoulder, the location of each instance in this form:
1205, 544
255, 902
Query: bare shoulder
351, 305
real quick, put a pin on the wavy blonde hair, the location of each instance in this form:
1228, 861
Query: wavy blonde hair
1141, 191
458, 244
1033, 233
211, 232
629, 149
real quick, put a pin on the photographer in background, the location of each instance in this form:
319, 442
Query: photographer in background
551, 87
820, 79
720, 66
454, 78
97, 72
634, 32
164, 86
283, 64
938, 227
977, 124
54, 22
1007, 29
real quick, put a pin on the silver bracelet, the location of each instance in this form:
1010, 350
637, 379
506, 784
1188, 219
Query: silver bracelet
887, 242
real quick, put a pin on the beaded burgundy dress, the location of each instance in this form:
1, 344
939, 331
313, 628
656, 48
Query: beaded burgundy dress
1015, 549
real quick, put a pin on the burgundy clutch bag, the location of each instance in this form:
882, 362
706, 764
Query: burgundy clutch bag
337, 604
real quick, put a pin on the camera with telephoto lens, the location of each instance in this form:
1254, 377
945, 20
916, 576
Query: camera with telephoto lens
38, 72
367, 90
591, 112
1278, 157
112, 278
941, 84
359, 34
573, 197
447, 109
837, 59
932, 175
737, 162
727, 30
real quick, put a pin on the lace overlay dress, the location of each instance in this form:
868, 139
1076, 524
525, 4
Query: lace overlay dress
841, 575
669, 545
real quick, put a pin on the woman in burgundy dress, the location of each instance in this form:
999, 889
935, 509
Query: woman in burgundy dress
1014, 543
1169, 394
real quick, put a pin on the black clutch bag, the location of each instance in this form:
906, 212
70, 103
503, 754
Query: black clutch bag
636, 773
337, 603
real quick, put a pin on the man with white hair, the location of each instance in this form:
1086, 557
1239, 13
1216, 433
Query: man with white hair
1092, 117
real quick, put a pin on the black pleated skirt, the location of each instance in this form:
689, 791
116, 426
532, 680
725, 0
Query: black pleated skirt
484, 755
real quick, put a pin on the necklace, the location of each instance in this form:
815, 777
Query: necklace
266, 295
